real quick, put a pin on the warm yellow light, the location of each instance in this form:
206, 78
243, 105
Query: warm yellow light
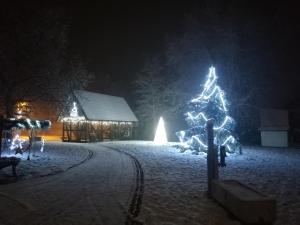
22, 109
160, 135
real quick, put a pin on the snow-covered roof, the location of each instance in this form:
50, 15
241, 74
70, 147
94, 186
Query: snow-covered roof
274, 119
102, 107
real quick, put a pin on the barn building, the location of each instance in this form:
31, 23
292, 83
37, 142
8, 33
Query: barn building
97, 117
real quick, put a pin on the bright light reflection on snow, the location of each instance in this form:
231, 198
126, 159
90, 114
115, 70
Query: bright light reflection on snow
160, 135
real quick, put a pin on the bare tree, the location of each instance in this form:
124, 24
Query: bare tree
211, 37
156, 95
34, 59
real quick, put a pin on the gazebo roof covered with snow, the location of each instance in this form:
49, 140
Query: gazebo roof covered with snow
101, 107
99, 117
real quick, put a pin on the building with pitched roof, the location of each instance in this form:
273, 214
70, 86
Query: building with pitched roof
96, 117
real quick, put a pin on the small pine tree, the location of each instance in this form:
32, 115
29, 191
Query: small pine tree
210, 103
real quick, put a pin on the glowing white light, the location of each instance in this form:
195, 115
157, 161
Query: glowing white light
42, 146
227, 119
73, 119
199, 141
222, 100
73, 115
16, 142
227, 139
212, 97
74, 111
160, 135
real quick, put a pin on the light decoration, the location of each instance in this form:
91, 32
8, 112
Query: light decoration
42, 144
13, 125
16, 142
160, 134
74, 115
22, 109
74, 111
211, 103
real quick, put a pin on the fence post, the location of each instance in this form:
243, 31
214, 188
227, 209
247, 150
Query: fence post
212, 155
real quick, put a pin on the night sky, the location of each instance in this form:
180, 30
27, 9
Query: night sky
115, 39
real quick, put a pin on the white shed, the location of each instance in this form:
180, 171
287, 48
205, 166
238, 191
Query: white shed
274, 127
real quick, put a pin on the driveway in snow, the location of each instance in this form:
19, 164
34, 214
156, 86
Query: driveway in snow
138, 182
98, 191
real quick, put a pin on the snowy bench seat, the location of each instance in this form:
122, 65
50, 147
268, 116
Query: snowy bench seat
248, 205
9, 161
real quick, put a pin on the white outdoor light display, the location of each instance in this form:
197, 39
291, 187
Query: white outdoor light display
74, 111
160, 135
211, 103
16, 142
74, 115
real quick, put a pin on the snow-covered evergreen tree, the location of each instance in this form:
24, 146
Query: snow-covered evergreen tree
211, 103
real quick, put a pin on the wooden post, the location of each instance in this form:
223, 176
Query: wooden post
222, 156
212, 157
30, 143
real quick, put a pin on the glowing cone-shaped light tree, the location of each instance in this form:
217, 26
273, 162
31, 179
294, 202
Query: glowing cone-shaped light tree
160, 135
211, 103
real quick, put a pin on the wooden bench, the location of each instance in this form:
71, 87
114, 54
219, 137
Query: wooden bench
10, 161
246, 204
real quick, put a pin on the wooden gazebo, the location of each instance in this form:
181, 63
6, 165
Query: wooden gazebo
98, 117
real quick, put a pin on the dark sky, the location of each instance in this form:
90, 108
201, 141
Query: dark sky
115, 38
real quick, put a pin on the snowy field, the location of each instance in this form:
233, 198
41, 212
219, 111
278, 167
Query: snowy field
174, 187
52, 160
175, 183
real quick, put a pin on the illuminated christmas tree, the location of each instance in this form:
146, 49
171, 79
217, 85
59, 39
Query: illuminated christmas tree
160, 134
211, 103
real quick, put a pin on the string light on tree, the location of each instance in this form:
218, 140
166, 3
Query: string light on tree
74, 117
74, 111
211, 103
16, 142
160, 134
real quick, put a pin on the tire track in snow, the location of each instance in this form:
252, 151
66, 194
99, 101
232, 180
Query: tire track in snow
28, 207
136, 201
89, 156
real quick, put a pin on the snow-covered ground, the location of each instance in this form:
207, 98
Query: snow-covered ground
175, 183
56, 157
97, 191
103, 189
